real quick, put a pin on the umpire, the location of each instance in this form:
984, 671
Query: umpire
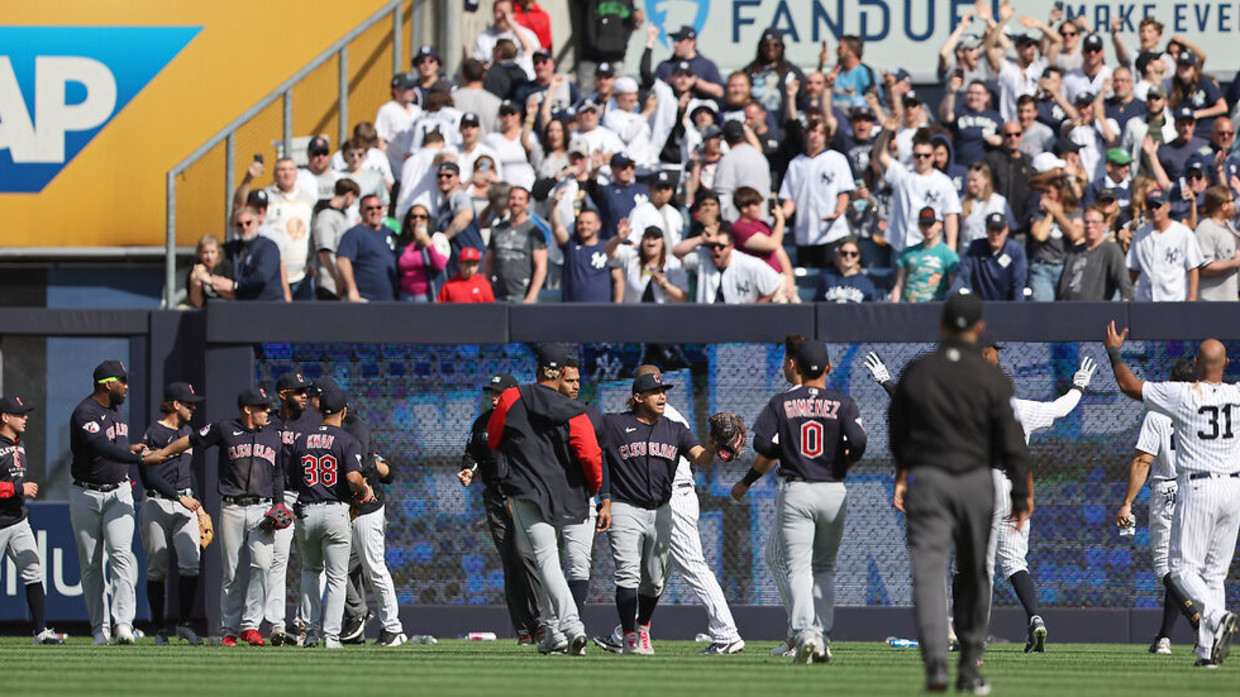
950, 417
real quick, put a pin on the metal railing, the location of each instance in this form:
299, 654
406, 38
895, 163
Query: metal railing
228, 135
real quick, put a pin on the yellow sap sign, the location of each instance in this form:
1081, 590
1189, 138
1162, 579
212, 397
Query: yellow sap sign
94, 115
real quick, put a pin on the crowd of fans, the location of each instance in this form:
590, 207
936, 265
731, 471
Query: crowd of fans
1043, 173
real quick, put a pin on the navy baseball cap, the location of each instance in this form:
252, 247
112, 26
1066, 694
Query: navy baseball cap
292, 381
1108, 194
254, 397
1187, 57
652, 231
1092, 42
862, 111
962, 310
664, 179
812, 356
605, 69
682, 67
333, 401
1185, 113
712, 131
650, 382
182, 392
684, 32
111, 370
469, 118
321, 385
620, 160
773, 34
500, 382
1065, 144
543, 53
318, 145
14, 405
403, 81
1086, 97
507, 107
1155, 198
901, 75
449, 167
996, 221
426, 52
552, 356
257, 198
910, 98
1025, 39
587, 104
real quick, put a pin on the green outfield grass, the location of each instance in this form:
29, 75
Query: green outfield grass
501, 668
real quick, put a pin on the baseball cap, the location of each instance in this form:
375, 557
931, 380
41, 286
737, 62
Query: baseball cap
14, 405
901, 75
1155, 198
1196, 164
1092, 42
625, 85
500, 381
684, 32
182, 392
812, 355
403, 81
469, 254
962, 310
425, 51
469, 118
543, 53
652, 231
319, 385
650, 382
862, 111
580, 145
1108, 194
318, 145
292, 381
587, 104
682, 67
551, 355
1046, 161
507, 107
448, 167
1064, 144
910, 98
253, 397
333, 400
1118, 156
1155, 93
110, 370
996, 221
971, 41
620, 160
1085, 97
664, 179
733, 131
257, 199
1185, 113
605, 68
1186, 57
772, 34
712, 131
1025, 39
927, 216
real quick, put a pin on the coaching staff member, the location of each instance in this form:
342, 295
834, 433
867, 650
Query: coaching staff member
950, 417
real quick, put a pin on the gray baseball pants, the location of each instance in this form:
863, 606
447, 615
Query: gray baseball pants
541, 539
323, 534
368, 533
18, 543
103, 522
810, 517
276, 606
167, 523
641, 543
241, 527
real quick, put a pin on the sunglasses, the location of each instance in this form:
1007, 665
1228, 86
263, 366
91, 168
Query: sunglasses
243, 223
373, 208
1012, 135
718, 246
848, 253
1067, 34
419, 216
923, 155
1091, 50
446, 175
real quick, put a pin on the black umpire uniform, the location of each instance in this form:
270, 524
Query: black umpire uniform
951, 418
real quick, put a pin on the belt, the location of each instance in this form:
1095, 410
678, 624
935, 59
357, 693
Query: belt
684, 485
648, 505
1208, 475
244, 500
152, 494
97, 487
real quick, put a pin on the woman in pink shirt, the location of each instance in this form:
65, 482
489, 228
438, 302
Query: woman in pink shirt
419, 261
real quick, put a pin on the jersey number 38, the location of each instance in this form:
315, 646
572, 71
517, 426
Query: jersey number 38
319, 470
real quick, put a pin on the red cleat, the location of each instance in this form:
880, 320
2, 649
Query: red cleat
229, 641
253, 638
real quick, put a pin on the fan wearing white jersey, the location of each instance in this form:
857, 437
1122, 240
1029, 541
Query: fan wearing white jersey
1207, 510
1155, 460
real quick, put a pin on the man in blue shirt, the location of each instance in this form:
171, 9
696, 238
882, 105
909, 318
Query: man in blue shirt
974, 124
366, 257
256, 264
994, 268
709, 84
617, 199
587, 278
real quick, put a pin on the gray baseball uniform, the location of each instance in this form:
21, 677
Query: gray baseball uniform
276, 607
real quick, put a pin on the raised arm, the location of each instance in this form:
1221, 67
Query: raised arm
1128, 383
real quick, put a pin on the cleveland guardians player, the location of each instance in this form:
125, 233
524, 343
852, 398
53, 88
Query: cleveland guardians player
1155, 461
16, 539
101, 501
776, 562
290, 421
165, 523
521, 584
251, 471
329, 461
1207, 462
643, 449
815, 435
550, 465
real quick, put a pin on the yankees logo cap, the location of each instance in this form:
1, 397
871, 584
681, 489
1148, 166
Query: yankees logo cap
182, 392
292, 381
253, 397
111, 370
333, 401
14, 405
996, 221
500, 382
321, 385
650, 382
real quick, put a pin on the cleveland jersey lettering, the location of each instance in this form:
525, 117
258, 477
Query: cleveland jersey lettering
250, 460
642, 458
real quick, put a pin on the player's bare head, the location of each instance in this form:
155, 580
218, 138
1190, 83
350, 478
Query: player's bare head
1184, 370
551, 361
1211, 359
812, 360
570, 378
962, 317
792, 342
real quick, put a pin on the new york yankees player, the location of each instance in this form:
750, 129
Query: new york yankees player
1207, 509
16, 538
251, 471
165, 523
815, 435
292, 420
642, 450
1155, 459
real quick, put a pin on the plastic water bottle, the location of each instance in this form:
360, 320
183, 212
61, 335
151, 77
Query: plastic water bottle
1130, 529
423, 639
902, 643
480, 636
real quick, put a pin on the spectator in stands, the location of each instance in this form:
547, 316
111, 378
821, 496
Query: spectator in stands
1198, 91
547, 84
1149, 34
427, 64
1019, 75
394, 122
472, 147
912, 116
633, 125
1222, 140
1094, 268
858, 145
330, 223
209, 261
1216, 235
844, 282
994, 266
420, 257
505, 76
505, 26
724, 275
770, 71
1093, 75
287, 222
975, 126
604, 84
867, 218
772, 142
853, 79
528, 14
961, 54
1054, 225
1011, 166
743, 165
709, 83
255, 261
368, 179
945, 159
914, 190
979, 202
1071, 56
467, 286
550, 153
1174, 157
1123, 105
439, 115
1036, 137
586, 275
1074, 176
644, 273
1094, 134
473, 97
374, 158
481, 185
365, 258
600, 138
417, 177
1157, 123
318, 176
815, 193
454, 214
754, 237
1053, 107
1118, 179
617, 199
516, 259
608, 25
736, 96
511, 148
1165, 258
660, 210
927, 269
704, 161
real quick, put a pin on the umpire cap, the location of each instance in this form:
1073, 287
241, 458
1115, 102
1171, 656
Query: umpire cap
500, 382
962, 311
111, 370
182, 392
14, 405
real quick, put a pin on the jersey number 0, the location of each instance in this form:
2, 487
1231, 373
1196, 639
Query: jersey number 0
811, 439
319, 470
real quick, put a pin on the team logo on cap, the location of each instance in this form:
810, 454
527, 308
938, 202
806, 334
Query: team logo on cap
191, 388
262, 392
657, 378
91, 427
20, 403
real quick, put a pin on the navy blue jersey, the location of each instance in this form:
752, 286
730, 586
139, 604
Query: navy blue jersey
835, 287
641, 458
971, 129
323, 457
251, 462
1123, 113
587, 278
615, 202
99, 440
12, 477
178, 469
807, 429
1051, 114
373, 255
289, 430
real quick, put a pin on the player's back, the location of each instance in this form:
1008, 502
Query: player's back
323, 456
807, 429
1206, 418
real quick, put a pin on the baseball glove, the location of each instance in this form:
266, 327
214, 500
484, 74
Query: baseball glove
278, 518
206, 529
727, 430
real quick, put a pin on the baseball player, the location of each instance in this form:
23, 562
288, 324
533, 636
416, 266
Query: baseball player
1155, 459
776, 561
330, 463
815, 435
539, 432
165, 522
251, 470
642, 450
1207, 462
521, 584
16, 538
292, 420
101, 502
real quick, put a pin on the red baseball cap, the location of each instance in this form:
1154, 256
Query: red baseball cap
469, 254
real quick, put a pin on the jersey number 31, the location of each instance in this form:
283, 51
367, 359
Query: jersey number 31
1212, 413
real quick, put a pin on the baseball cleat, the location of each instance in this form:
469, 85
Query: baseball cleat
124, 634
1161, 645
577, 645
809, 650
826, 654
279, 637
644, 646
786, 648
161, 638
387, 638
229, 640
630, 642
1204, 663
723, 648
354, 630
1036, 641
936, 678
310, 643
332, 644
48, 636
1223, 634
975, 685
253, 638
524, 638
553, 642
607, 643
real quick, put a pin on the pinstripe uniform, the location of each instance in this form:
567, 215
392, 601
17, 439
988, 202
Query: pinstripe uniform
1206, 417
1157, 438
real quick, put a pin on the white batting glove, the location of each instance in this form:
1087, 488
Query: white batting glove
1084, 373
878, 371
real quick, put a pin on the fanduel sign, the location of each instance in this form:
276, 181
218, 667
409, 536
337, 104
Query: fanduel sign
61, 86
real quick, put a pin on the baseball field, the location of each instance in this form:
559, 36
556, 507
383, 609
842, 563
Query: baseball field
457, 667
